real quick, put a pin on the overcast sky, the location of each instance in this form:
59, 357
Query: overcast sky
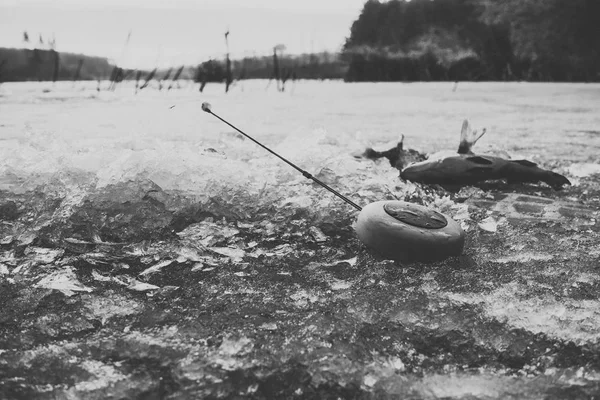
172, 32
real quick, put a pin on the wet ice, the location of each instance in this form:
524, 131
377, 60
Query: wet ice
195, 254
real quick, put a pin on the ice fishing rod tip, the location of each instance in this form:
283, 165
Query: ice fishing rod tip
206, 107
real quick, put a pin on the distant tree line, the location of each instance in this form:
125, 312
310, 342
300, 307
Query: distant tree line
41, 65
536, 40
322, 65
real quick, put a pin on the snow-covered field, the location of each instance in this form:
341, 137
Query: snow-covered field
147, 249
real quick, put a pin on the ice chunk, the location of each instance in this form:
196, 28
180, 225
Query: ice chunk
123, 212
7, 240
351, 261
8, 257
43, 255
278, 251
299, 201
99, 277
206, 229
268, 227
340, 285
101, 377
282, 250
76, 241
190, 254
328, 176
269, 326
314, 265
369, 380
302, 298
142, 286
155, 268
3, 269
462, 212
26, 238
317, 234
524, 257
63, 280
139, 286
489, 224
235, 254
197, 267
235, 347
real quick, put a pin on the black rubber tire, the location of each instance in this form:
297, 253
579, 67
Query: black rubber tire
405, 242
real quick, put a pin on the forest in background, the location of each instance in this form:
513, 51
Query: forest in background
40, 65
420, 40
533, 40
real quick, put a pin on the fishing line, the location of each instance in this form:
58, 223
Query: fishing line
397, 230
207, 108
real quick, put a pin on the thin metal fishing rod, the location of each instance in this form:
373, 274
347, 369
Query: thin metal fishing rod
206, 107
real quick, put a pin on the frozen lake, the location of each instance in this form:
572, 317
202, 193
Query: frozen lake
147, 249
74, 127
68, 131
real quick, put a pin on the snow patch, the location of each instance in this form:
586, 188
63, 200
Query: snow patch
582, 170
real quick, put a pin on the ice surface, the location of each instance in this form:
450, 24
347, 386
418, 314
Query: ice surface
203, 261
88, 141
63, 280
581, 170
489, 224
567, 319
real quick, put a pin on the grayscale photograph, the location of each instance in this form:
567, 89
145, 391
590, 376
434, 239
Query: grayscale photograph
317, 199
